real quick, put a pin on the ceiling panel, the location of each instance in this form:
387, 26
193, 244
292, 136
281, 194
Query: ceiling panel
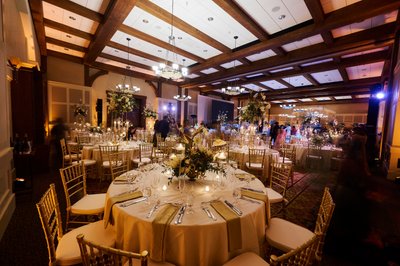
303, 43
320, 99
290, 101
363, 96
365, 71
306, 100
66, 37
98, 6
255, 75
64, 50
276, 101
317, 62
276, 15
262, 55
254, 87
192, 76
274, 84
366, 24
209, 71
151, 25
345, 97
280, 69
146, 47
231, 64
365, 52
297, 81
332, 5
327, 76
124, 55
209, 18
68, 18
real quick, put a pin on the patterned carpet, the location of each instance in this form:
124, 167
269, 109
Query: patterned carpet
23, 242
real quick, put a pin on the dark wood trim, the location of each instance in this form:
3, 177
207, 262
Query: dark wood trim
115, 16
66, 45
156, 89
311, 79
124, 61
77, 9
123, 71
89, 79
64, 28
67, 57
37, 17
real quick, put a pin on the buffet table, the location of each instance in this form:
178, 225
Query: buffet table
198, 239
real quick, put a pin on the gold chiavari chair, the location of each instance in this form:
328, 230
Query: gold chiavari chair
314, 156
67, 156
62, 247
80, 205
105, 151
301, 256
119, 163
276, 190
280, 233
162, 151
256, 162
145, 154
90, 165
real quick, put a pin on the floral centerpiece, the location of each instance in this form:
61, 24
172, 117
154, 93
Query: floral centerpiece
317, 140
120, 102
148, 112
222, 117
80, 110
196, 160
256, 109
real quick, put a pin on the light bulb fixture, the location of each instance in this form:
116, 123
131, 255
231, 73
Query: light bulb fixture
380, 95
174, 71
126, 86
182, 97
287, 106
233, 89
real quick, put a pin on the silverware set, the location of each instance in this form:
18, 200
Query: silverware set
209, 213
181, 213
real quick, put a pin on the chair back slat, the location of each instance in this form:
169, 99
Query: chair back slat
94, 254
256, 156
74, 181
50, 218
119, 163
106, 150
279, 179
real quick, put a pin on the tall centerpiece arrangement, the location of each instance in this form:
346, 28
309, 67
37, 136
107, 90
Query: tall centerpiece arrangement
196, 160
256, 109
150, 116
80, 113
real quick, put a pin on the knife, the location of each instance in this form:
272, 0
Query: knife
207, 211
252, 189
130, 202
211, 214
180, 215
233, 208
155, 207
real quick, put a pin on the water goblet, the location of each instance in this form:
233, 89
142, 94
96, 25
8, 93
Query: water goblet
181, 184
189, 203
147, 194
236, 193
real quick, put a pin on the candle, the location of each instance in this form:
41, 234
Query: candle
207, 189
180, 147
164, 188
172, 156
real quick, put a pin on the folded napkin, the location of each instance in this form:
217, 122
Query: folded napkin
160, 226
259, 196
232, 224
116, 199
243, 176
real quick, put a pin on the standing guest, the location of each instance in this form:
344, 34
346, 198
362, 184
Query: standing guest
280, 138
293, 131
274, 132
156, 130
164, 127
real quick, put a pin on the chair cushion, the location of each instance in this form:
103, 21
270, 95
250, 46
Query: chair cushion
248, 258
68, 252
144, 160
254, 165
273, 196
72, 156
287, 160
285, 235
86, 162
89, 204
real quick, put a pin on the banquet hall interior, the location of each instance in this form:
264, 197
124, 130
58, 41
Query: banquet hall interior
200, 132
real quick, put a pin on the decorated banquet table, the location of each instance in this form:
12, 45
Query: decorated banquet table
326, 152
191, 224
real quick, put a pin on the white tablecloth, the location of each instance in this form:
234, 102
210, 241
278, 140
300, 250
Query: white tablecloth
326, 152
198, 240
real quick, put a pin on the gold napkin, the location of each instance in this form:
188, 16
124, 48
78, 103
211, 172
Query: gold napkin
259, 196
116, 199
160, 226
243, 176
232, 224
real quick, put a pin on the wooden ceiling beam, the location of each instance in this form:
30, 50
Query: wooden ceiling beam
124, 61
318, 15
64, 28
67, 57
77, 9
66, 44
345, 62
164, 15
343, 73
135, 52
311, 79
283, 82
124, 71
237, 13
148, 38
115, 16
263, 86
341, 17
36, 8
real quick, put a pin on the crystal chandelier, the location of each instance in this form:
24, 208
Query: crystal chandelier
173, 71
182, 97
127, 86
233, 89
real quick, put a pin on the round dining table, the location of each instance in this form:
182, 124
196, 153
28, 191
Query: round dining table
199, 239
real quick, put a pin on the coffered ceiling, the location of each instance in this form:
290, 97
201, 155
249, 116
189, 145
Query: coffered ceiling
293, 50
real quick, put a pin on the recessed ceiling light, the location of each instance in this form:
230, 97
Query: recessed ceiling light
68, 36
66, 49
145, 21
210, 19
326, 75
128, 67
116, 51
159, 50
179, 37
364, 69
275, 9
72, 18
205, 50
282, 17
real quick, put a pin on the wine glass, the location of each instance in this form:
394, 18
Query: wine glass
147, 194
155, 182
129, 179
189, 202
181, 184
236, 193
